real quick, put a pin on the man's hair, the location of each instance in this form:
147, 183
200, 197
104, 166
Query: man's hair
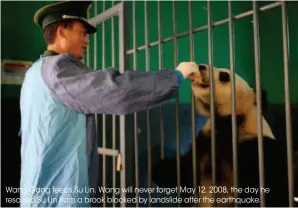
50, 30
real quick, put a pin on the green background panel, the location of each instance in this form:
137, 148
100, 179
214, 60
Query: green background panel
25, 42
271, 46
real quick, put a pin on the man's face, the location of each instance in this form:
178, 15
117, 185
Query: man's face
76, 40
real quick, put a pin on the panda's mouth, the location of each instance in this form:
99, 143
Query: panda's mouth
201, 84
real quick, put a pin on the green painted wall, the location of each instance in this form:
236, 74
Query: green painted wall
270, 38
22, 39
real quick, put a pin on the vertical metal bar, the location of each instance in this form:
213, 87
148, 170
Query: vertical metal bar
113, 116
148, 111
259, 99
162, 133
212, 93
95, 58
95, 39
95, 68
125, 143
122, 118
95, 49
233, 89
287, 103
88, 49
193, 121
104, 134
177, 101
135, 114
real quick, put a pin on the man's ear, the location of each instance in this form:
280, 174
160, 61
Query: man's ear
61, 31
264, 99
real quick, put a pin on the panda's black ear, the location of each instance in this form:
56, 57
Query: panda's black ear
224, 77
264, 99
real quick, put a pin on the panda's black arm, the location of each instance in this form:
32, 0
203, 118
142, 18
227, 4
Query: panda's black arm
264, 99
164, 172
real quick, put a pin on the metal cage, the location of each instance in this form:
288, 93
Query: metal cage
120, 165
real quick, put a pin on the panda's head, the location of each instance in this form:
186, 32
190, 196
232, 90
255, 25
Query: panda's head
245, 99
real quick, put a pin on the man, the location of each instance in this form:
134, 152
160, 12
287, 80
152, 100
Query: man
58, 99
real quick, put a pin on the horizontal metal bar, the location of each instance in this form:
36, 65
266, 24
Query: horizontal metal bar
107, 151
183, 34
167, 39
109, 13
261, 9
202, 28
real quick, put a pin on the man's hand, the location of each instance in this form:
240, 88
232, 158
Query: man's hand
187, 69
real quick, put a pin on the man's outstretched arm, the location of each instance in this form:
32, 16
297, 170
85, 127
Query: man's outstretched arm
107, 91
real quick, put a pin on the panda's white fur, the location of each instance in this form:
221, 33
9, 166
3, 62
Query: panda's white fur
164, 173
245, 102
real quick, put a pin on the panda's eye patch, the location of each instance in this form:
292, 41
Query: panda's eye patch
202, 67
224, 77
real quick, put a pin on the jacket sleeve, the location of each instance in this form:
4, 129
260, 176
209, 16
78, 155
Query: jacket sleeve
106, 91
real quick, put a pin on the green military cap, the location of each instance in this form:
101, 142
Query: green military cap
65, 10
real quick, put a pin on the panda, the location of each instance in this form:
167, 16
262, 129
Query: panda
164, 172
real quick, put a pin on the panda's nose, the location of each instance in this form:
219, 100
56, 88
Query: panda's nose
202, 67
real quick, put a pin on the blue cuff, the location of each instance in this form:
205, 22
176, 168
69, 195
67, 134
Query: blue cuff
180, 76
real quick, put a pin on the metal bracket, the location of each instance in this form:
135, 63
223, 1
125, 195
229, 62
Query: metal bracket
113, 153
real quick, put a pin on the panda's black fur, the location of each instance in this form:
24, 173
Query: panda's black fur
164, 172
